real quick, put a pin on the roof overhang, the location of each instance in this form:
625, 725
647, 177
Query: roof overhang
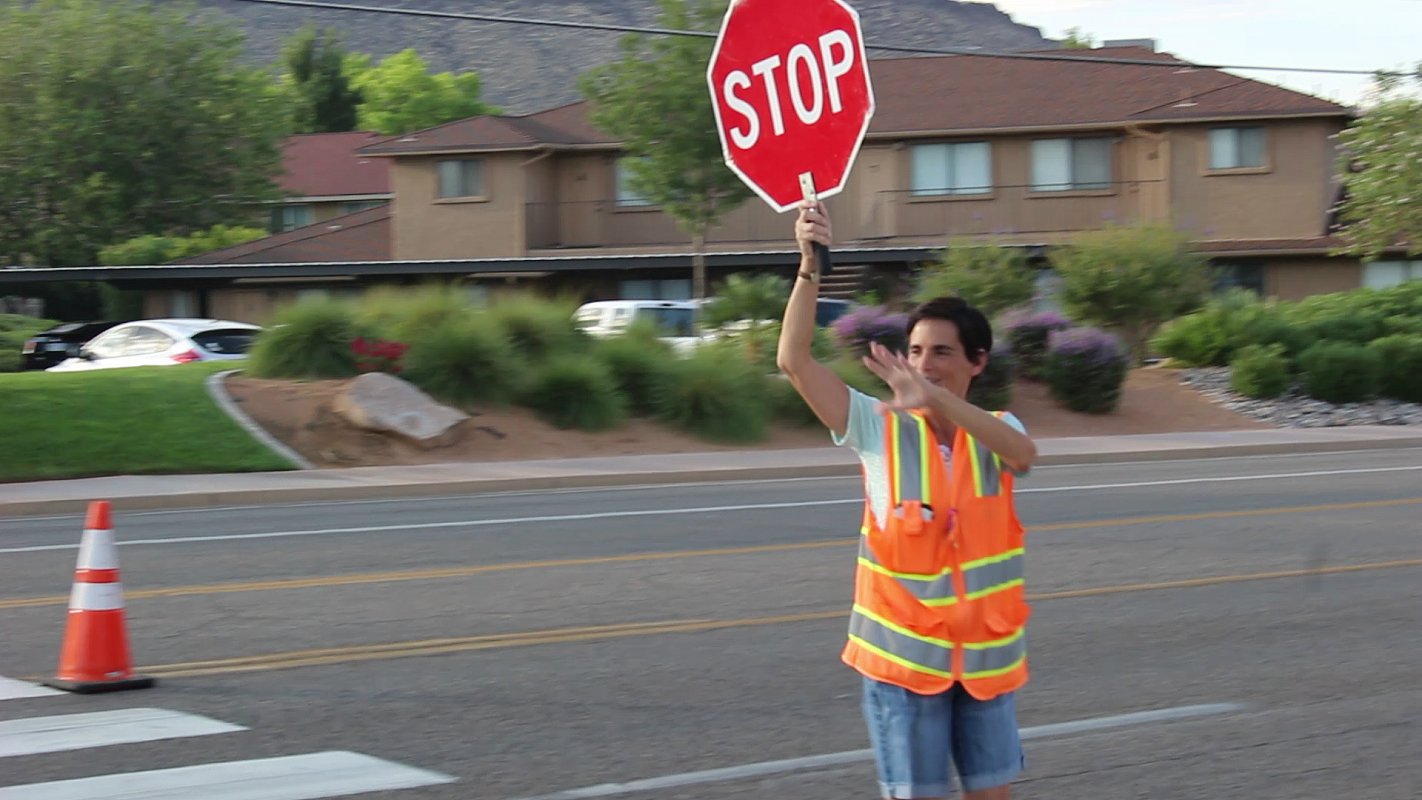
253, 273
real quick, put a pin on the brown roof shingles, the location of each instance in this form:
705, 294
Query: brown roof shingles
362, 236
330, 165
942, 94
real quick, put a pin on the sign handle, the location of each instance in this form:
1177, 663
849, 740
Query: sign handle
822, 253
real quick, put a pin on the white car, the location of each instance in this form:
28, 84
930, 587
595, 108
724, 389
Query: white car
675, 319
163, 342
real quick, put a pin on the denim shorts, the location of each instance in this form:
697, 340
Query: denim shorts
916, 736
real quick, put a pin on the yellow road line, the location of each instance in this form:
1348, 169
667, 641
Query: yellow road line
439, 573
428, 647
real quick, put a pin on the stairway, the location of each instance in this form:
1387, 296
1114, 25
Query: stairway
845, 282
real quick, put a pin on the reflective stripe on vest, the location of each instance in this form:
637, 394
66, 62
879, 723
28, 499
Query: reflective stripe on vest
933, 590
994, 574
908, 477
989, 659
987, 466
900, 645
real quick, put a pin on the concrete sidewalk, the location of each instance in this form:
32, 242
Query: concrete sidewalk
142, 492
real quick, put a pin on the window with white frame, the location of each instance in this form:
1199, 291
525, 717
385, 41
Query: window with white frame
1063, 165
1236, 148
461, 177
1384, 274
951, 168
627, 197
291, 217
352, 206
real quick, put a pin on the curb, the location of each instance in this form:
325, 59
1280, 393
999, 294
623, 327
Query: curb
353, 489
217, 390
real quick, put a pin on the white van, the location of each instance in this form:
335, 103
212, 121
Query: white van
674, 318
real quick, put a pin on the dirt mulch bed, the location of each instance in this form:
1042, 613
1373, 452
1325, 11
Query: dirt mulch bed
299, 414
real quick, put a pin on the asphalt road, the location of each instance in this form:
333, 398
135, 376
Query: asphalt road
526, 644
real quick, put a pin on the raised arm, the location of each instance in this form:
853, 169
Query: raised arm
822, 389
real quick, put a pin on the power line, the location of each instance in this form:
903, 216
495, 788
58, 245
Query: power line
654, 31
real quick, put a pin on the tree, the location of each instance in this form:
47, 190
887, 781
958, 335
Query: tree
1130, 279
322, 96
1077, 39
400, 94
148, 250
756, 298
120, 119
990, 276
1382, 173
655, 100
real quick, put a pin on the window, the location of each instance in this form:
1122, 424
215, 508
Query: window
665, 289
145, 341
1061, 165
1236, 148
352, 206
1241, 276
463, 177
1383, 274
626, 197
289, 218
951, 168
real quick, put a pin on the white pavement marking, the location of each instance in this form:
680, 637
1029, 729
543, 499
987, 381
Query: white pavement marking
658, 512
305, 777
23, 737
11, 689
826, 760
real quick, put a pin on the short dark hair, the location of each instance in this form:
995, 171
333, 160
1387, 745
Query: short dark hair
974, 330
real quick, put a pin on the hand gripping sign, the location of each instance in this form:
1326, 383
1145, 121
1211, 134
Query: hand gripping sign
790, 87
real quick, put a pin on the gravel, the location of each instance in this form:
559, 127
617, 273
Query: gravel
1294, 409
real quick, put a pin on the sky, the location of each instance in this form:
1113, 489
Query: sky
1340, 34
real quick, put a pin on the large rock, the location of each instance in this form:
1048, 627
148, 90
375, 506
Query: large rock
379, 402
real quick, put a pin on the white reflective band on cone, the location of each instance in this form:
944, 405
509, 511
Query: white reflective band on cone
97, 550
96, 597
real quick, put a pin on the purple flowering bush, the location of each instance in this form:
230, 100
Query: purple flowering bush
866, 324
1026, 335
1085, 369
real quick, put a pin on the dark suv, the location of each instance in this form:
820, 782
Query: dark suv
47, 348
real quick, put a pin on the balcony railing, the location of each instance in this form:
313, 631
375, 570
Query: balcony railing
883, 217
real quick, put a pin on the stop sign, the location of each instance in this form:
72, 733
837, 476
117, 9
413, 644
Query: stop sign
790, 86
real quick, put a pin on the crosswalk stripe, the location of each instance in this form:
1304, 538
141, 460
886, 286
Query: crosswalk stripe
11, 689
23, 737
303, 777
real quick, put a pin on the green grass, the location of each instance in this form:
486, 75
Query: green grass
143, 420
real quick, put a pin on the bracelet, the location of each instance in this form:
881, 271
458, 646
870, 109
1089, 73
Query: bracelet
809, 276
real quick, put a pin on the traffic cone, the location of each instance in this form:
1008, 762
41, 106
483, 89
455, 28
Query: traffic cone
94, 657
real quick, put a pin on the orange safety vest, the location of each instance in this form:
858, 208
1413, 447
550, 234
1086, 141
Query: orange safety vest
938, 591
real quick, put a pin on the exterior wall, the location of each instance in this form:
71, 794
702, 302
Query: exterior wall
427, 227
1299, 277
1287, 198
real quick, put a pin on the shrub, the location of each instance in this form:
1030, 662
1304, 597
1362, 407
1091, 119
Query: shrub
1260, 371
786, 403
990, 276
463, 361
1358, 327
540, 328
1401, 358
14, 330
311, 339
402, 313
744, 296
1086, 368
638, 365
992, 388
574, 392
715, 396
1130, 278
1340, 372
857, 376
1209, 337
866, 324
1270, 328
1026, 335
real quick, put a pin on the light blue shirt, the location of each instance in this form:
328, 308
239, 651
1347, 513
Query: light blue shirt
865, 436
